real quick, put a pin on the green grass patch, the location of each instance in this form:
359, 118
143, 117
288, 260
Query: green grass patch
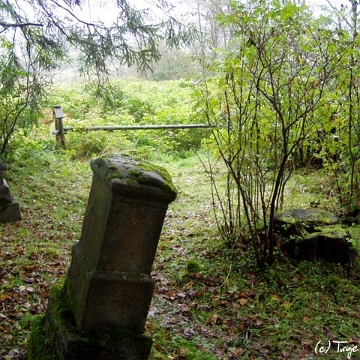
210, 302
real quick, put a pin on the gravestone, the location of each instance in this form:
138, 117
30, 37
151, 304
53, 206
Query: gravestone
312, 234
101, 309
9, 209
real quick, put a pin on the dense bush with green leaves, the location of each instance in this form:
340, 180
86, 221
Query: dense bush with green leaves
130, 103
282, 96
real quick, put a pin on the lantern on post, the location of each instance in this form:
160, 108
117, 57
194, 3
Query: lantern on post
59, 126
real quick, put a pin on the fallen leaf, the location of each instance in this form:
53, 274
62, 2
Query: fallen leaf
188, 333
242, 326
4, 297
214, 319
243, 301
30, 268
236, 352
242, 296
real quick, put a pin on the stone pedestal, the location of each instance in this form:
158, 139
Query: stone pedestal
9, 209
105, 300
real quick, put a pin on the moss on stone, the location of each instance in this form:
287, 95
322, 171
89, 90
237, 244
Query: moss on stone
139, 172
39, 346
134, 172
146, 166
62, 308
113, 173
49, 332
287, 219
334, 231
43, 343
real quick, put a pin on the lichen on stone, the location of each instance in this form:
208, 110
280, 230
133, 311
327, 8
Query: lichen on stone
136, 172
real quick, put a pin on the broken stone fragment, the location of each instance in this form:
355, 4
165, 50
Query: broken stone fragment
311, 234
5, 196
9, 209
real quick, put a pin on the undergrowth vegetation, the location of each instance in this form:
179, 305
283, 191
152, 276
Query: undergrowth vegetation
211, 300
129, 103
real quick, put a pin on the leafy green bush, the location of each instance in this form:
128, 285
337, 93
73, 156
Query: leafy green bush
130, 103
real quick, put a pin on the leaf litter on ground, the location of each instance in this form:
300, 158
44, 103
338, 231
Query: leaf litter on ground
210, 301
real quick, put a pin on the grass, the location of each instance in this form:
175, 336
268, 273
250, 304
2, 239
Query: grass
210, 302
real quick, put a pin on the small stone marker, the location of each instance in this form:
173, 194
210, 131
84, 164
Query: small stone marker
9, 209
312, 234
101, 310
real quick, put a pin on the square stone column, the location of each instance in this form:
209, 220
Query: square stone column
108, 289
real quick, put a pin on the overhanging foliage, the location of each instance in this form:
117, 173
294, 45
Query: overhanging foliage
37, 36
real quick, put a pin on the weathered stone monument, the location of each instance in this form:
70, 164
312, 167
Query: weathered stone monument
312, 234
101, 309
9, 208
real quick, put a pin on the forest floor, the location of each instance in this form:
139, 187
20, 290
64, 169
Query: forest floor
210, 302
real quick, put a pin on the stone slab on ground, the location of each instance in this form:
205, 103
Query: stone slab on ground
311, 234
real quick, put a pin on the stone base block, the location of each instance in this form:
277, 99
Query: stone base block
118, 300
54, 336
10, 212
